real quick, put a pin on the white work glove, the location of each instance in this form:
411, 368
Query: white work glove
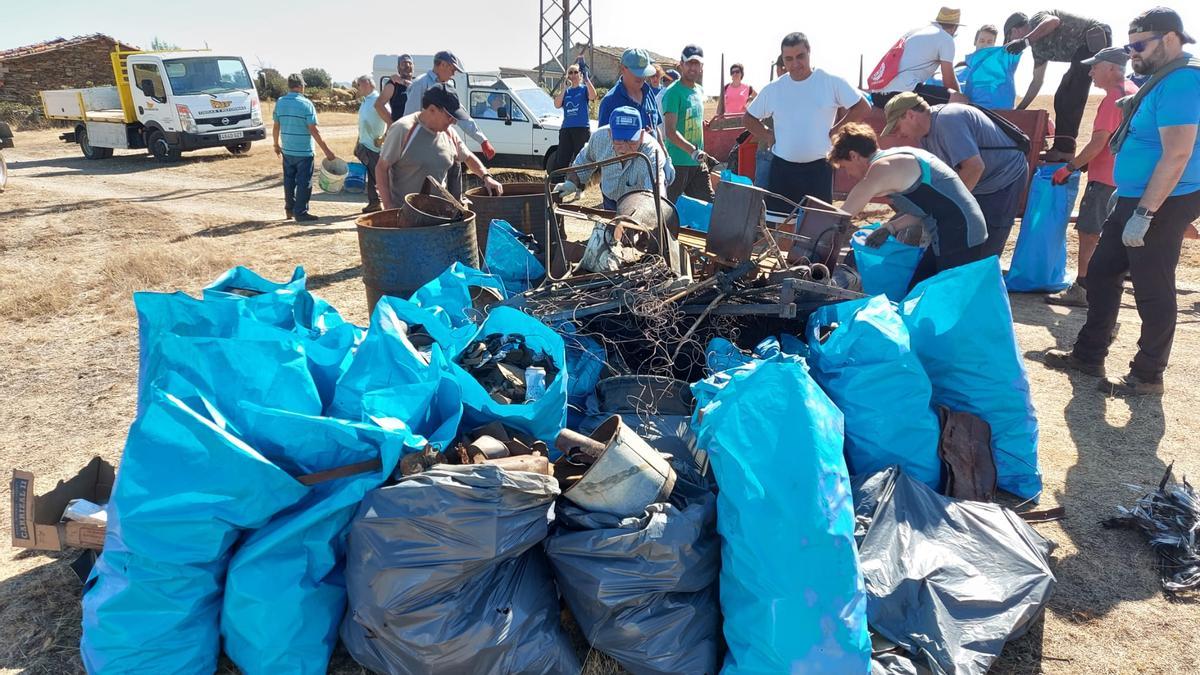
567, 189
1134, 234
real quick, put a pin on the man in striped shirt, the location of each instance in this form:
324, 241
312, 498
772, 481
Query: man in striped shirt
295, 130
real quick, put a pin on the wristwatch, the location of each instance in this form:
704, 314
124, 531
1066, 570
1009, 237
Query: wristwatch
1143, 212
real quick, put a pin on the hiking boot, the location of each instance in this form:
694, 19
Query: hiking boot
372, 208
306, 218
1061, 359
1073, 296
288, 214
1130, 385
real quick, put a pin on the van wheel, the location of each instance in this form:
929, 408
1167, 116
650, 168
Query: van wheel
551, 158
90, 151
238, 148
156, 142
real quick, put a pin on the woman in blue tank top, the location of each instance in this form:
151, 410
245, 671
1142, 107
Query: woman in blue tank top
923, 191
573, 99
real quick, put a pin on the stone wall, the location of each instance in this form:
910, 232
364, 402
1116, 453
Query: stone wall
80, 65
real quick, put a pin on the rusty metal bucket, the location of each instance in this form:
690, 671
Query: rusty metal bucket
523, 205
626, 474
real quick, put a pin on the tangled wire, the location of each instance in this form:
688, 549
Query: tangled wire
1170, 518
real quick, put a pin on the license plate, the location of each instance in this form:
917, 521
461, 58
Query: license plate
229, 136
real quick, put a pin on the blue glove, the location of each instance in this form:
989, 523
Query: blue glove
1134, 234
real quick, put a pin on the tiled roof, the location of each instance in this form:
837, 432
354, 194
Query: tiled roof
55, 44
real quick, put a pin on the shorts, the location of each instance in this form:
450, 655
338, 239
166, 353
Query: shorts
1093, 210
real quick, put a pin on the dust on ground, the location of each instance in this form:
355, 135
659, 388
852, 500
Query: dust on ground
79, 237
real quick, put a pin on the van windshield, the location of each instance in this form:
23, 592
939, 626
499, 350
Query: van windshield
207, 75
538, 102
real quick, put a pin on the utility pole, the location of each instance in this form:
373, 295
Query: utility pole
563, 24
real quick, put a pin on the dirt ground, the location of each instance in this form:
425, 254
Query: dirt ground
78, 237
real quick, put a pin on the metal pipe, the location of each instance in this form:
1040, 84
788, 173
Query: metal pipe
819, 273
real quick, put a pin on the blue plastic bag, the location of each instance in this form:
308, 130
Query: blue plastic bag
509, 259
448, 297
694, 214
791, 588
432, 410
867, 367
989, 78
186, 491
543, 418
960, 326
586, 361
1039, 261
888, 269
731, 177
285, 592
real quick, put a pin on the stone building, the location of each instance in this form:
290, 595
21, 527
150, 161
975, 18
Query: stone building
605, 64
61, 63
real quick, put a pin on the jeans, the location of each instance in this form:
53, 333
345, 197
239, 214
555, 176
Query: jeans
369, 158
762, 168
297, 183
1153, 269
798, 180
999, 211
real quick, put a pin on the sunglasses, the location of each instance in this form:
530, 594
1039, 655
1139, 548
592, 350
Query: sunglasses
1141, 45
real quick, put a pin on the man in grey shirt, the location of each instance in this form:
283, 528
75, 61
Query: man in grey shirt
445, 65
989, 162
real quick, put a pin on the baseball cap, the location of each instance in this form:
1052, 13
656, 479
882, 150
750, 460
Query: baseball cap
625, 123
673, 74
895, 109
295, 80
1115, 55
1160, 20
449, 57
444, 98
692, 53
638, 61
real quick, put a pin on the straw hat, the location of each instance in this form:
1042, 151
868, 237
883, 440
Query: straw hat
949, 16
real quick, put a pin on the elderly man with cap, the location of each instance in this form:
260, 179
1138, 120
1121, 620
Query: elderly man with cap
804, 105
1108, 74
986, 159
425, 144
683, 124
445, 65
370, 136
1157, 174
393, 91
624, 134
1062, 37
295, 131
633, 90
925, 50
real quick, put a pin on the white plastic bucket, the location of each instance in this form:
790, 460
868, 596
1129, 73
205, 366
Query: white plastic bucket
333, 174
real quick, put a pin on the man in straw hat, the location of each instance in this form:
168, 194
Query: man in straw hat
925, 50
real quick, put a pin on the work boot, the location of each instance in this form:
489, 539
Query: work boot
1073, 296
1061, 359
372, 207
1130, 385
305, 218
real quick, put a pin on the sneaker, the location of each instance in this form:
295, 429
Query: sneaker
306, 218
1073, 296
288, 214
1061, 359
372, 208
1130, 385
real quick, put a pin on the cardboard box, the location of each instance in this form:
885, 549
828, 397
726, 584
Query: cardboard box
37, 520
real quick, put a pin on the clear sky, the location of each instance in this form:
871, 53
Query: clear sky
343, 36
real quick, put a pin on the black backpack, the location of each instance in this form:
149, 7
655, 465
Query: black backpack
1011, 130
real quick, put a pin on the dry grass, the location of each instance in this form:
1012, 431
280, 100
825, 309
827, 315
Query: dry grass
78, 237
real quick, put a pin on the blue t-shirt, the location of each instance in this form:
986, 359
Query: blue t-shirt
575, 107
616, 97
293, 113
1173, 102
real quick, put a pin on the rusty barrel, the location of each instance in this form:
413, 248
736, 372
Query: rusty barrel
403, 249
523, 205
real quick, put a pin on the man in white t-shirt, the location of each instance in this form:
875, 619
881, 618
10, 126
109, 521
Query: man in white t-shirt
803, 104
926, 51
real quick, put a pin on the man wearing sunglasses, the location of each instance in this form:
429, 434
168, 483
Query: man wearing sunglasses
1157, 174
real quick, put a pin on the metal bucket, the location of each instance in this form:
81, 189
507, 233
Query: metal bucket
523, 205
626, 476
398, 258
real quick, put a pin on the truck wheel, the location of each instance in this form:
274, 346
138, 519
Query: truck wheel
156, 142
238, 148
90, 151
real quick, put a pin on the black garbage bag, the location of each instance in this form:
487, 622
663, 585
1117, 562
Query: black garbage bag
644, 589
445, 575
949, 581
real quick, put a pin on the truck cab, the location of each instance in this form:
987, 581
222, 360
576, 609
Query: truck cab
166, 102
514, 113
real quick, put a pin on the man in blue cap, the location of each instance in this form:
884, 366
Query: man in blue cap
623, 135
1157, 174
445, 66
633, 90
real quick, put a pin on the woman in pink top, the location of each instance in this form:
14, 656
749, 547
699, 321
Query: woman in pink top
737, 94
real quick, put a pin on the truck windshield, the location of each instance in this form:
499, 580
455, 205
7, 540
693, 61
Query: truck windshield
207, 75
538, 102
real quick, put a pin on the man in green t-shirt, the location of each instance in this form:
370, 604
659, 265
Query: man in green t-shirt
683, 119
